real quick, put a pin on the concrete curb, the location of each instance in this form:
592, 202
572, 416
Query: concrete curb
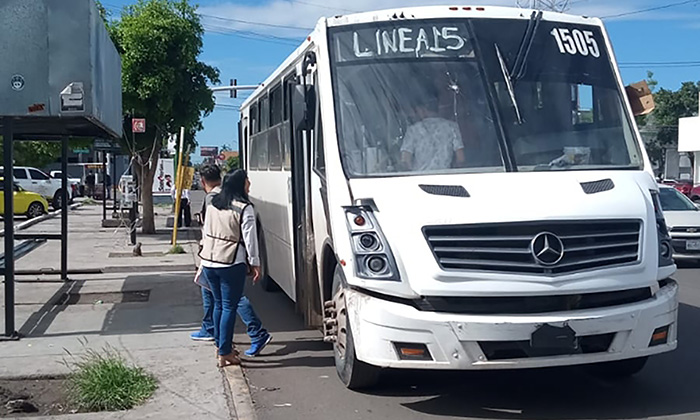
50, 215
240, 393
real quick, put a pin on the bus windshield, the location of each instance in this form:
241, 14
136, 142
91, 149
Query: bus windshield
445, 96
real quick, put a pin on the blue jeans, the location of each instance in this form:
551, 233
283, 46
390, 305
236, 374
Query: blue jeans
254, 327
227, 286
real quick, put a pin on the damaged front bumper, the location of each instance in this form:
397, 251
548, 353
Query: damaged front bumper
382, 327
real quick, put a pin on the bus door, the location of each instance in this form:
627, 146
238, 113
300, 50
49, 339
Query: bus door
307, 296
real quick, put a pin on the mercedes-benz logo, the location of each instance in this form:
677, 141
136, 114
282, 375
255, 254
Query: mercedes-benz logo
547, 248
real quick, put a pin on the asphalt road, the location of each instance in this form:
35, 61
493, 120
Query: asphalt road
296, 379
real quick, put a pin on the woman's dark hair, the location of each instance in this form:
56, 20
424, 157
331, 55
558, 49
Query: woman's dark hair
232, 189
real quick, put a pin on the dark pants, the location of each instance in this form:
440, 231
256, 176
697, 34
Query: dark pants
227, 286
185, 210
254, 327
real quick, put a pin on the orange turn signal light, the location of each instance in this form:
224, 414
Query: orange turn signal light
660, 336
412, 351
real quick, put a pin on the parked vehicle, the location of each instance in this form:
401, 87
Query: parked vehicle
684, 186
26, 202
34, 180
73, 182
695, 194
378, 153
683, 221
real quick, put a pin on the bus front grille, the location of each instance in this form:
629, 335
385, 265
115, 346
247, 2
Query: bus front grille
547, 247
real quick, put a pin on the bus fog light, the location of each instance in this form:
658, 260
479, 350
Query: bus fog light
369, 241
665, 250
376, 264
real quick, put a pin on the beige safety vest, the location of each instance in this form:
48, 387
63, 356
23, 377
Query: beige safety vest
222, 233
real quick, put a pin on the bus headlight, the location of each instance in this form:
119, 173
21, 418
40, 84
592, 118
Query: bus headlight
663, 237
373, 257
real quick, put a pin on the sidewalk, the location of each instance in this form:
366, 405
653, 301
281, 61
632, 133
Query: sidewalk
145, 307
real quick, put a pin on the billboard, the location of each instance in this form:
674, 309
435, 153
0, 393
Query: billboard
164, 177
208, 151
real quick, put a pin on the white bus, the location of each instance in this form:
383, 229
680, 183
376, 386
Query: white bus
461, 188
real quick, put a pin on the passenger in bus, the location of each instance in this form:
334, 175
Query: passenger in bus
432, 143
259, 337
229, 247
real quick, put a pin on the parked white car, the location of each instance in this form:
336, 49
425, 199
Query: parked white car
73, 182
32, 179
683, 221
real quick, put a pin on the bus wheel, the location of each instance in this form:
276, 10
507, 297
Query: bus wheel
620, 369
354, 373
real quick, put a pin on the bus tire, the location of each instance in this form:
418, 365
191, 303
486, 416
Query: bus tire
266, 282
354, 373
620, 369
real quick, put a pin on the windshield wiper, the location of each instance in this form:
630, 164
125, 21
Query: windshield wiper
520, 60
525, 46
509, 85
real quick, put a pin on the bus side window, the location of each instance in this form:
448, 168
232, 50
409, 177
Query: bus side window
254, 128
264, 113
253, 154
276, 105
274, 151
260, 144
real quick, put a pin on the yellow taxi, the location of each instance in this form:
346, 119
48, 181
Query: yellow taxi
26, 202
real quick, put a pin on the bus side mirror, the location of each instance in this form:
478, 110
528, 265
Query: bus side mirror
303, 106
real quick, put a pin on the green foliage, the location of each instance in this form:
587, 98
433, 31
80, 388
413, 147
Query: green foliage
40, 153
162, 80
660, 128
232, 163
177, 249
104, 381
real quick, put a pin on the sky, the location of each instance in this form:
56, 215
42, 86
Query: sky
246, 40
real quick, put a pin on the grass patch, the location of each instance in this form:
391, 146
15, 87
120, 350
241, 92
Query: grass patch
177, 249
104, 381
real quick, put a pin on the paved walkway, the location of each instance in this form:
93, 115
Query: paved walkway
145, 307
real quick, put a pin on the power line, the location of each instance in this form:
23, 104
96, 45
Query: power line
323, 6
248, 22
252, 35
666, 6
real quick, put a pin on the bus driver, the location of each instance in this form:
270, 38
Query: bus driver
432, 142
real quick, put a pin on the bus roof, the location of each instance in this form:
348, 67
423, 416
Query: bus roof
412, 13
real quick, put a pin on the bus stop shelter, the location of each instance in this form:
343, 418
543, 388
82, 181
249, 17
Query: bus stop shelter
60, 78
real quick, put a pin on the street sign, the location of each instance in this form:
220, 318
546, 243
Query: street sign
138, 125
106, 146
81, 151
208, 151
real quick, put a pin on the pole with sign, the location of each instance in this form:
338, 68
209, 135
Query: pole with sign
178, 187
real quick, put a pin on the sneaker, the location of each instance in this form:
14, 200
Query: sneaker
256, 348
201, 336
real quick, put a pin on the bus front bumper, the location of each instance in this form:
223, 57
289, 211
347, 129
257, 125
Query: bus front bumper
382, 328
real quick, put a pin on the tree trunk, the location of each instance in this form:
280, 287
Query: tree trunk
147, 171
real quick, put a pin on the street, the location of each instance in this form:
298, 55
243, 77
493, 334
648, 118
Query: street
296, 379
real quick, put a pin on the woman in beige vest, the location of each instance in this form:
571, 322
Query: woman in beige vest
229, 246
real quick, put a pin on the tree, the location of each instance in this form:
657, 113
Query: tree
660, 128
162, 81
232, 163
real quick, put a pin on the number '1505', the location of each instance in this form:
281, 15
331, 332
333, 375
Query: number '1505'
576, 42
